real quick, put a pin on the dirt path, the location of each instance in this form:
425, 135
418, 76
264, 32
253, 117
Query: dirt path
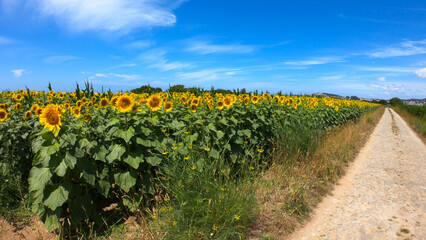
383, 194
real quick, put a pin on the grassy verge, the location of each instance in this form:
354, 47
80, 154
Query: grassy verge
295, 184
415, 122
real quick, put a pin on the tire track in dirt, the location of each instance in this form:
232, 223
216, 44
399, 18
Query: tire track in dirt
383, 194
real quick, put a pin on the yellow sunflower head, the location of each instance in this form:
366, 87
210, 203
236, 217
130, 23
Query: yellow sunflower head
3, 115
17, 107
246, 101
125, 103
220, 104
50, 118
228, 102
104, 102
114, 100
38, 111
154, 102
87, 117
193, 108
34, 107
76, 111
28, 115
255, 99
168, 106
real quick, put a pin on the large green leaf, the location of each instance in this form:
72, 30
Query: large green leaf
59, 196
116, 151
103, 187
134, 160
126, 135
125, 179
99, 153
38, 178
153, 160
52, 219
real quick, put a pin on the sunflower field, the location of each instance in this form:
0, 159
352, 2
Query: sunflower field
82, 151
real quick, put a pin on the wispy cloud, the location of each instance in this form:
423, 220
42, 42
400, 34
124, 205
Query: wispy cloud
60, 59
142, 44
334, 77
207, 47
18, 72
421, 73
115, 75
6, 41
406, 48
110, 15
385, 69
315, 61
207, 74
381, 79
156, 59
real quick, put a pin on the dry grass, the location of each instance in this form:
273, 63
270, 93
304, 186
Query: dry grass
416, 123
291, 187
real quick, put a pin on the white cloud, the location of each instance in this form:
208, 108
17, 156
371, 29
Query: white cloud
60, 59
385, 69
115, 75
5, 41
207, 75
206, 47
18, 72
157, 60
406, 48
381, 79
335, 77
421, 73
315, 61
140, 44
110, 15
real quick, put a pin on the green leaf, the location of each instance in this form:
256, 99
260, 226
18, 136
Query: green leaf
126, 135
125, 179
176, 125
116, 151
70, 160
134, 160
59, 196
143, 142
153, 160
61, 169
70, 138
52, 219
99, 153
38, 178
103, 187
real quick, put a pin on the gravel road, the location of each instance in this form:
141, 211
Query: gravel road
382, 195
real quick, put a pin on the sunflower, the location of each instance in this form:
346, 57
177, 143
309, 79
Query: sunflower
228, 102
87, 117
17, 107
18, 97
3, 115
49, 98
2, 106
255, 99
38, 111
28, 115
220, 104
193, 108
34, 107
6, 106
114, 100
61, 95
154, 102
336, 108
246, 101
51, 118
125, 103
76, 111
104, 102
168, 106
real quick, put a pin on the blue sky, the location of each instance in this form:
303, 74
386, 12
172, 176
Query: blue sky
373, 49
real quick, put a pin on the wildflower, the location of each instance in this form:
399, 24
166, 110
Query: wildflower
51, 118
154, 103
28, 115
168, 106
165, 153
87, 117
125, 103
207, 149
220, 104
237, 217
3, 115
260, 150
186, 158
104, 102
